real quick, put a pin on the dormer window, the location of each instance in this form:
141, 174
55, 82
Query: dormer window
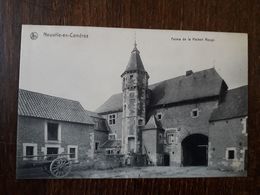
194, 113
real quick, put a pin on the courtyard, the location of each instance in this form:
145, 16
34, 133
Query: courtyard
135, 172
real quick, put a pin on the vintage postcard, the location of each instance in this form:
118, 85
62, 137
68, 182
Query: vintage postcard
131, 103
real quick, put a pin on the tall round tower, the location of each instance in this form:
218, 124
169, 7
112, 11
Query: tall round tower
134, 87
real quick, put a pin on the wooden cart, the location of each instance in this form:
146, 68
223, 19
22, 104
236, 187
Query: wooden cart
56, 165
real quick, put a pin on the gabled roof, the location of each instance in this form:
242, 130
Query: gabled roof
33, 104
235, 104
151, 124
135, 62
205, 83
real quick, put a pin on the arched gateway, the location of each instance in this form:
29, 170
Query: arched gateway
195, 150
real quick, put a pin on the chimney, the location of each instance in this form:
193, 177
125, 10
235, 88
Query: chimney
189, 72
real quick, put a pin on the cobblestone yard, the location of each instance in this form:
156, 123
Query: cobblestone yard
136, 172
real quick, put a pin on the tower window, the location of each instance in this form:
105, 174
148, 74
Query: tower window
140, 122
132, 94
131, 76
112, 119
96, 146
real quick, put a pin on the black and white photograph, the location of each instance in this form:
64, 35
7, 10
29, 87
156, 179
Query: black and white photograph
100, 102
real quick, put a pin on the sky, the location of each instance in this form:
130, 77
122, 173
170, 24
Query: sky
57, 61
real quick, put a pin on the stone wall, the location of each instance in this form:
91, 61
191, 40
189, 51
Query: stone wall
117, 127
32, 131
224, 135
180, 119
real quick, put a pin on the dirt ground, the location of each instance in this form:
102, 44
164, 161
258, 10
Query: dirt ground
134, 172
155, 172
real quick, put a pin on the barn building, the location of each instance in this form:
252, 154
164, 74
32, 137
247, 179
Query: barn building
54, 125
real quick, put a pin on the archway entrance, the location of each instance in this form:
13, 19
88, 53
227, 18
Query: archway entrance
195, 150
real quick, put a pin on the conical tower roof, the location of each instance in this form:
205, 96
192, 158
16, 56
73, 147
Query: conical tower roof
135, 63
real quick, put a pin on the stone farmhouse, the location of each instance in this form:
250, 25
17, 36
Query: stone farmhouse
190, 120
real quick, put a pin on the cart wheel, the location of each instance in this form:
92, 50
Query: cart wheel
60, 167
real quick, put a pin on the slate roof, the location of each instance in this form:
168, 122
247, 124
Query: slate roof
40, 105
135, 62
111, 144
234, 105
114, 103
205, 83
93, 114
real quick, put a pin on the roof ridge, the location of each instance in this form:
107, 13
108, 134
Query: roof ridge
180, 76
40, 93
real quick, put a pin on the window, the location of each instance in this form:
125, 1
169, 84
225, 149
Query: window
29, 151
96, 145
160, 138
112, 136
53, 132
73, 152
112, 119
140, 122
231, 153
170, 138
131, 76
195, 113
132, 95
109, 151
159, 116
